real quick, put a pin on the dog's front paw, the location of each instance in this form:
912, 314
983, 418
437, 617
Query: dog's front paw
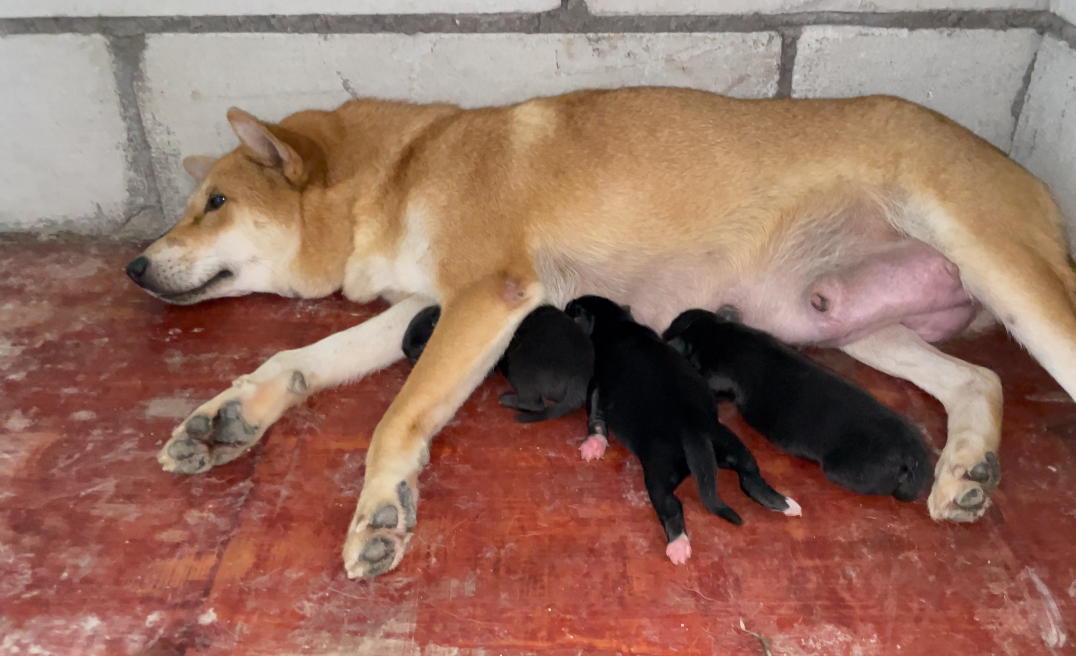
961, 492
222, 429
380, 531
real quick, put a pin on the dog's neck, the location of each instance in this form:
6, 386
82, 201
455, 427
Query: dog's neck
353, 206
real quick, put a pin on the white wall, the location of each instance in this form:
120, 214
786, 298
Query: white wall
1045, 140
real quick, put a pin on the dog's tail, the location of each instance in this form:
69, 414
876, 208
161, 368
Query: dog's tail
702, 462
738, 458
572, 401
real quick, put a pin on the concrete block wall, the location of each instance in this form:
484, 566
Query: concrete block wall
101, 101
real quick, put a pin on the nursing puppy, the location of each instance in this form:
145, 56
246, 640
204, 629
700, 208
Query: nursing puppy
549, 360
662, 411
419, 331
805, 409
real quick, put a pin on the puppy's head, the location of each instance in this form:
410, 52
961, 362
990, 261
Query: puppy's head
242, 227
888, 463
419, 332
680, 329
594, 312
913, 473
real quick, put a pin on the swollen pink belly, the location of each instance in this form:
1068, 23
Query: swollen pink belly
909, 283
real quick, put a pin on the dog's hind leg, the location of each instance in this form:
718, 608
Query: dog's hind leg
660, 486
233, 421
702, 462
1001, 228
968, 469
735, 455
475, 327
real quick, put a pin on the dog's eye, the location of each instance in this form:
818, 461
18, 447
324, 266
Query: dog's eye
214, 202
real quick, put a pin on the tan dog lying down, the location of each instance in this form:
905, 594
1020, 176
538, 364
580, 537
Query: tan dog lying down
869, 224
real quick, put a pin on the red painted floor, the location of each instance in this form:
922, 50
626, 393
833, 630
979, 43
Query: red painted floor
521, 547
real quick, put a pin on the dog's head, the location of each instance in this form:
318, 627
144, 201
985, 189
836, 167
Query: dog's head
242, 228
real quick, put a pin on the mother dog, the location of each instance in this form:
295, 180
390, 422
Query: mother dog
870, 224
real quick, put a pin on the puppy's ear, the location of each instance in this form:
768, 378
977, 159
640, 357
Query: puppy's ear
729, 313
583, 319
680, 346
264, 147
197, 166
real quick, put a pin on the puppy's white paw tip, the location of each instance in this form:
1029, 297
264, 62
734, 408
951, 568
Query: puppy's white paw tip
793, 509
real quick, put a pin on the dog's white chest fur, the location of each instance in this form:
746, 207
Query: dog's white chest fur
393, 275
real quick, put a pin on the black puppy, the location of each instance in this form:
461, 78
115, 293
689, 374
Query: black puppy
419, 332
662, 411
550, 359
804, 408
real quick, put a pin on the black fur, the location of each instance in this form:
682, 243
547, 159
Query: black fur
419, 331
549, 361
662, 411
804, 408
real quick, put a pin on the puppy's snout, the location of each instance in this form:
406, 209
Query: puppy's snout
136, 270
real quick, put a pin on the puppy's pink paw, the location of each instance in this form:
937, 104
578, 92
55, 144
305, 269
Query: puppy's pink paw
593, 447
679, 550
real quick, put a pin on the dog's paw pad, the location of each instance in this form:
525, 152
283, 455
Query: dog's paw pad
593, 447
370, 552
199, 426
209, 438
373, 552
386, 517
185, 455
679, 550
376, 542
229, 426
962, 493
407, 503
987, 472
973, 499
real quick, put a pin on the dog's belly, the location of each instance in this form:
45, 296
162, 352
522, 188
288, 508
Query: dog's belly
908, 283
905, 282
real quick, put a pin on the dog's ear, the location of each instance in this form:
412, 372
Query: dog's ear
265, 147
197, 166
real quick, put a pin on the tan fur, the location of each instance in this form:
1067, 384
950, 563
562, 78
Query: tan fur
661, 198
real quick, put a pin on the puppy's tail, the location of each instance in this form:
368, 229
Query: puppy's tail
702, 462
572, 401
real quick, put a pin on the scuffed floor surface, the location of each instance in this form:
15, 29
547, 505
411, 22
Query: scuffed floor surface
521, 547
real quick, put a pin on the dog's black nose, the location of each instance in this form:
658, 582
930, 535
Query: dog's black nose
137, 268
